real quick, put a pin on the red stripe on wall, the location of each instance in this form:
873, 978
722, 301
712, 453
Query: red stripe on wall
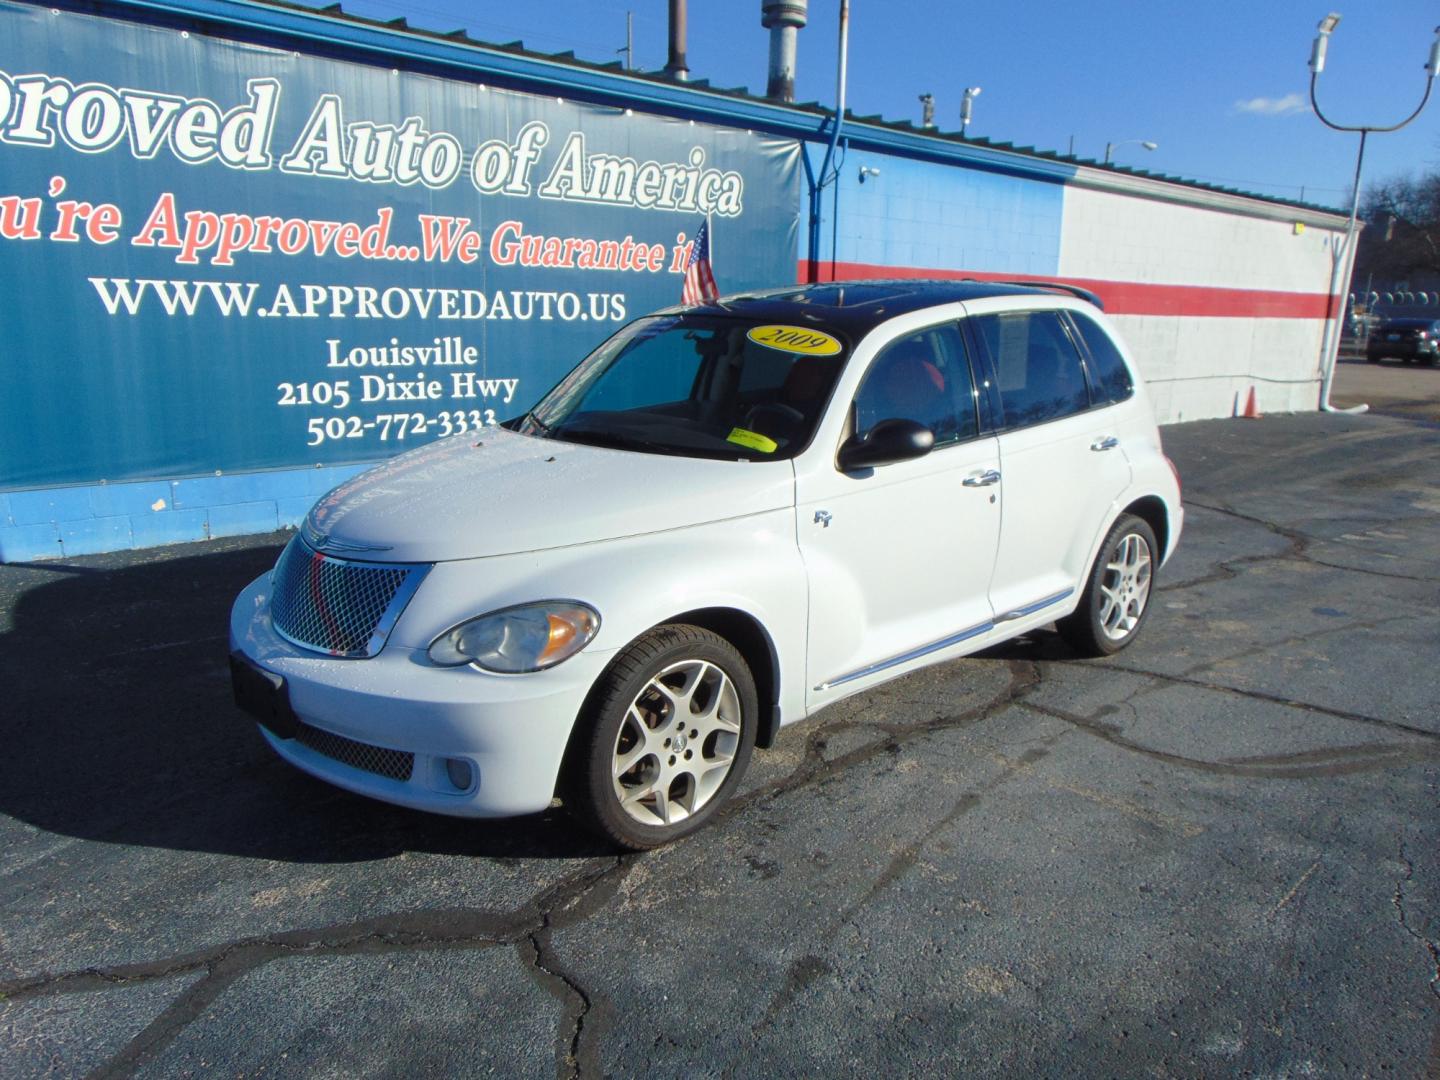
1121, 297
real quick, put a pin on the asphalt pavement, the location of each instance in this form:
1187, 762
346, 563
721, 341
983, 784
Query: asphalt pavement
1216, 853
1389, 387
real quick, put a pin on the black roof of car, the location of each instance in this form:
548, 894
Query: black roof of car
857, 307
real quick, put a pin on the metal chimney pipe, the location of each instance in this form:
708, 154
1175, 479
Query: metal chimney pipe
676, 68
782, 18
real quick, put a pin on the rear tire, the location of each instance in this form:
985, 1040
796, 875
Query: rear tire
667, 740
1116, 598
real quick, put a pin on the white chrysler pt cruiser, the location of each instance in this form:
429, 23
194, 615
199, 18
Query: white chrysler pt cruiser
725, 518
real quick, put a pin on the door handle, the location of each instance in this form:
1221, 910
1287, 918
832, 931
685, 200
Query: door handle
1108, 442
982, 479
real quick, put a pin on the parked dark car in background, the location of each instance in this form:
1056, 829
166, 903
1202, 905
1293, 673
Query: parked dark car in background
1405, 339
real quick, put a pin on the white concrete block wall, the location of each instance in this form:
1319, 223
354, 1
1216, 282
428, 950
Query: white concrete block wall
1214, 301
1199, 368
1123, 237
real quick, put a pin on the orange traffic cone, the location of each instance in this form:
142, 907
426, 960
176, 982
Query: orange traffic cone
1252, 411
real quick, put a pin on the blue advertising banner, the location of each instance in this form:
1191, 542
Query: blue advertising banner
218, 256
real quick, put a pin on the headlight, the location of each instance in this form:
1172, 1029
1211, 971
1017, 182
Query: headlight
528, 637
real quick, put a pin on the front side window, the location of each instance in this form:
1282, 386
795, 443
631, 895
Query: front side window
697, 386
1110, 378
1039, 372
924, 377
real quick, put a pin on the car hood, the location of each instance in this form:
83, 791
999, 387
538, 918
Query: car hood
499, 493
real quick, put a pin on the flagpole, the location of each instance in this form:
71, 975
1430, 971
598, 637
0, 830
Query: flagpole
710, 242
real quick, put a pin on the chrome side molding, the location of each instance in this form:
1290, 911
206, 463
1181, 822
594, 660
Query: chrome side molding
913, 654
1030, 609
943, 643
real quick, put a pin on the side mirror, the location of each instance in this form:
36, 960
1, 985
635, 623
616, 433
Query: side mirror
888, 441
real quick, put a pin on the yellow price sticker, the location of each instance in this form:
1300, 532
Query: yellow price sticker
753, 439
795, 339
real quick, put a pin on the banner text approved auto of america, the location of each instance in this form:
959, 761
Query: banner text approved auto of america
222, 256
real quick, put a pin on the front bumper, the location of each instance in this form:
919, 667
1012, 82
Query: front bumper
511, 729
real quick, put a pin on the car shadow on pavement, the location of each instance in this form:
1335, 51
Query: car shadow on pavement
118, 726
1034, 646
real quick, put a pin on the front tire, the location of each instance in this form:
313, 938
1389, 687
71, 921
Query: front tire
667, 739
1116, 598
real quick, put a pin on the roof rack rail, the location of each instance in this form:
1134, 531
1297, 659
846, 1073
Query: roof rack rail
1060, 286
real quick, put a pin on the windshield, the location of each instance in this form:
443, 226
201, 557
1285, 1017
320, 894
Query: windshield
696, 386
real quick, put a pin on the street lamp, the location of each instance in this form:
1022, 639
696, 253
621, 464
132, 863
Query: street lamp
1110, 146
971, 93
1347, 256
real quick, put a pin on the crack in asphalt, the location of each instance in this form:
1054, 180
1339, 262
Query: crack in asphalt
1303, 764
572, 996
1398, 900
223, 965
1160, 680
1261, 695
1304, 638
1294, 890
1298, 551
577, 1038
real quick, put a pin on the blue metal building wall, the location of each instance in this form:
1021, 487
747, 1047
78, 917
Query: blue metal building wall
88, 519
933, 215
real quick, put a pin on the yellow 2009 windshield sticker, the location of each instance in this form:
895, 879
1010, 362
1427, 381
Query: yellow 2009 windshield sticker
795, 339
753, 439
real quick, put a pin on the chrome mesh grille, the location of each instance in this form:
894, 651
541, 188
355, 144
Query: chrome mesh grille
396, 764
338, 606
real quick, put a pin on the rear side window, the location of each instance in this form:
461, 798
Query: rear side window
1039, 371
923, 377
1110, 379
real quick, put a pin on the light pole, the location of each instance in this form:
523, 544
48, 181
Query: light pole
1344, 260
971, 93
1110, 146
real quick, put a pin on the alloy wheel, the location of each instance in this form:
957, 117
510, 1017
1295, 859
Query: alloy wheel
1125, 588
677, 743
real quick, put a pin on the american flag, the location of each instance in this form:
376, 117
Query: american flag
699, 279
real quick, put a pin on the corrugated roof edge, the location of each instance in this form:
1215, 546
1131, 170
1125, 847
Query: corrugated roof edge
745, 109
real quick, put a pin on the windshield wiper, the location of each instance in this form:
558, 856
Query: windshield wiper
530, 418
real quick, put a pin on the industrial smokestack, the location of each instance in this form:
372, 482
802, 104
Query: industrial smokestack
782, 18
677, 69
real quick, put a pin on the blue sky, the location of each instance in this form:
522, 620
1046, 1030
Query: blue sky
1222, 85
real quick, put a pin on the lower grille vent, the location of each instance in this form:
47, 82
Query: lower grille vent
396, 764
